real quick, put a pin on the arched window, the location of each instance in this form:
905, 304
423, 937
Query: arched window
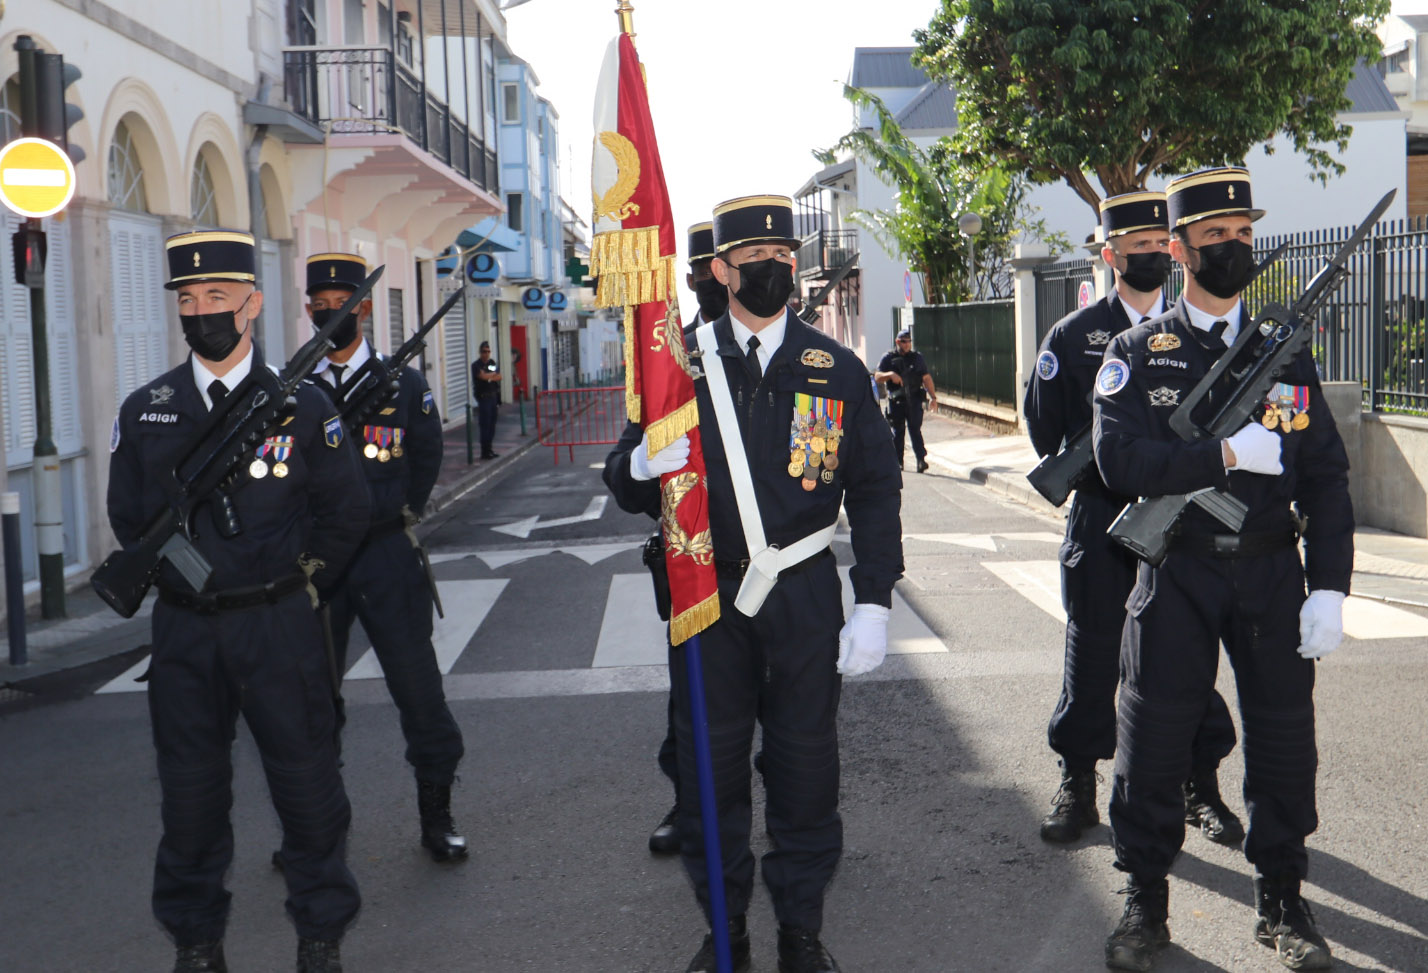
201, 200
126, 175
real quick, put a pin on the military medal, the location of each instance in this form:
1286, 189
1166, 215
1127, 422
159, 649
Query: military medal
1271, 417
397, 452
1300, 421
808, 482
826, 476
280, 469
280, 447
397, 444
830, 462
383, 455
795, 469
257, 469
370, 450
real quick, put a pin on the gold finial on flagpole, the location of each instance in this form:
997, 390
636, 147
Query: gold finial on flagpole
626, 12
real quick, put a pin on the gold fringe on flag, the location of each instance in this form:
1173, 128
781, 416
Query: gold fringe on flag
694, 620
666, 430
632, 397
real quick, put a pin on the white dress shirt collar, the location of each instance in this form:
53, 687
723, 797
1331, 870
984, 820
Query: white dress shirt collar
1204, 320
1134, 316
769, 338
349, 367
203, 378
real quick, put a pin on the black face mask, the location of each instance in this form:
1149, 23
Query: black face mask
1146, 272
1225, 268
346, 332
765, 286
213, 336
713, 298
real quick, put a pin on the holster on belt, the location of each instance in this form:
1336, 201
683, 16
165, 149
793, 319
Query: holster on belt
653, 556
759, 579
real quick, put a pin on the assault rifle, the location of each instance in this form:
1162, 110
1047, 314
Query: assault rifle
1059, 473
375, 384
1277, 337
204, 469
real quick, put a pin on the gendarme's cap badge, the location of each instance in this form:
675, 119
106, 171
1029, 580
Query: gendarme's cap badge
1132, 212
344, 271
748, 220
211, 255
701, 241
1210, 192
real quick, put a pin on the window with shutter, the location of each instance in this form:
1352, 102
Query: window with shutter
455, 361
396, 317
136, 248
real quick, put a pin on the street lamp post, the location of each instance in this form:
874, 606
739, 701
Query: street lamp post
971, 224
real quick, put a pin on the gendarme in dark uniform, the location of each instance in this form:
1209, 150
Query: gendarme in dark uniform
780, 667
250, 642
386, 586
1097, 573
906, 397
1245, 590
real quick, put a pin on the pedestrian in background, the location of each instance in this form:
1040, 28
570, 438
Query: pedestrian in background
909, 387
486, 380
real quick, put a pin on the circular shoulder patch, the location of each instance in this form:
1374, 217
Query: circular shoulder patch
1112, 377
1047, 366
114, 436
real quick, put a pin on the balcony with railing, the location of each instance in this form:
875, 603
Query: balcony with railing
825, 252
368, 91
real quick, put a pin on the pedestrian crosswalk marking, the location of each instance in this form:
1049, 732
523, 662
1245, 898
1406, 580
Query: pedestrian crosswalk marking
467, 603
986, 542
1040, 583
495, 560
631, 633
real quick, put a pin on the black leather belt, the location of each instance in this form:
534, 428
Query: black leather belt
235, 599
735, 570
1252, 544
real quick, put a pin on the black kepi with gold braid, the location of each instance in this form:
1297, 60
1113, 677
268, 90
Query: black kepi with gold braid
1210, 192
701, 242
325, 271
748, 220
1133, 212
206, 255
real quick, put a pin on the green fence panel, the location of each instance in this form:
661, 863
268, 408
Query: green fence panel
970, 348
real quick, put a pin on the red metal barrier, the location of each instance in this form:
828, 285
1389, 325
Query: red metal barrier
579, 417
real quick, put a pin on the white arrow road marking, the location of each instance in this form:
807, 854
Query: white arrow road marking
467, 604
1037, 581
499, 559
985, 542
631, 634
594, 510
126, 683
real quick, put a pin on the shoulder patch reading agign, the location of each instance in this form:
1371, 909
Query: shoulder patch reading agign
1112, 377
332, 431
1047, 365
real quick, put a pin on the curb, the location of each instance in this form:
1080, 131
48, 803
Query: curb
444, 496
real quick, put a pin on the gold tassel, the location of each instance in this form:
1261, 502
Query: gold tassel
667, 429
632, 398
694, 620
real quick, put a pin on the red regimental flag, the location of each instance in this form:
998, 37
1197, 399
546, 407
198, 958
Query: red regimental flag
633, 255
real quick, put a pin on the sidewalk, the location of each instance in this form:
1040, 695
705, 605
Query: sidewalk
92, 631
1387, 566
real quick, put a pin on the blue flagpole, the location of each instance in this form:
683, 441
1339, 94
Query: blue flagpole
708, 814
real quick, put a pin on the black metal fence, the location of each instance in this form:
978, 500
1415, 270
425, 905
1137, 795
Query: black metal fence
365, 89
1056, 289
970, 348
825, 251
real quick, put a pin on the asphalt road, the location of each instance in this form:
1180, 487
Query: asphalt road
557, 683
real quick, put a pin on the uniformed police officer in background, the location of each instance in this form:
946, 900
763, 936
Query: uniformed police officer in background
251, 642
1246, 590
909, 387
713, 298
1097, 573
802, 406
486, 386
387, 585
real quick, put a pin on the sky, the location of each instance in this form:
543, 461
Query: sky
741, 91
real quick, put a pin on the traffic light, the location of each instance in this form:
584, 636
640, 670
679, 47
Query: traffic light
43, 111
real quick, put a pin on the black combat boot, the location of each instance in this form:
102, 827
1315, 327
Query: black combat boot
207, 958
318, 956
1073, 809
1142, 931
1204, 809
703, 961
664, 840
799, 951
1285, 924
438, 833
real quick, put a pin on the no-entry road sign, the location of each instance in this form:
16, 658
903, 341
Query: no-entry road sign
36, 177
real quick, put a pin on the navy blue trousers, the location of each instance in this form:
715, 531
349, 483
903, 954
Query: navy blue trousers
267, 663
487, 408
1179, 615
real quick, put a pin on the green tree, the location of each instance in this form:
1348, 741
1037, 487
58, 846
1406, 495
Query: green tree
1124, 89
935, 186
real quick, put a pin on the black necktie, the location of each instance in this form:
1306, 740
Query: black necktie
216, 391
1217, 331
1143, 318
752, 357
337, 371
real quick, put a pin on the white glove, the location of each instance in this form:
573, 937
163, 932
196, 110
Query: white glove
1256, 450
1321, 623
864, 640
673, 457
